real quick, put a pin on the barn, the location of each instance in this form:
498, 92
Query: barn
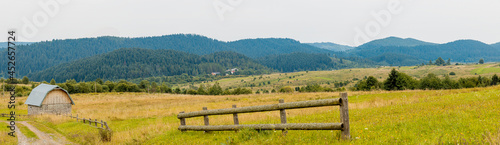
49, 99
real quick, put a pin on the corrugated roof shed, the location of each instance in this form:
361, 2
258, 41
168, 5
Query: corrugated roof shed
39, 93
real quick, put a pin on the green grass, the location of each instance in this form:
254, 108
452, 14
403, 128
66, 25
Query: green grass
27, 132
422, 117
4, 137
486, 70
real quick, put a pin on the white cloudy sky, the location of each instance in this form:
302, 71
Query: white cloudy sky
335, 21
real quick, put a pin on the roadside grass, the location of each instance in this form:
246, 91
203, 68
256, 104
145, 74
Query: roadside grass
27, 132
4, 137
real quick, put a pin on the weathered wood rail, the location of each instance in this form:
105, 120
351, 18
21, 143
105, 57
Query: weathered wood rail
8, 115
103, 124
282, 106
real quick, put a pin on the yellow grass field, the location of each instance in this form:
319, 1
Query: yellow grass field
378, 117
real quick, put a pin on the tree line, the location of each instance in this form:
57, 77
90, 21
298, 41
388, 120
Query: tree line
401, 81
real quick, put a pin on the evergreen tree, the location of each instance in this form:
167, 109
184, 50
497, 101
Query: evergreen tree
215, 89
495, 80
430, 62
448, 62
481, 61
201, 90
390, 83
53, 82
440, 62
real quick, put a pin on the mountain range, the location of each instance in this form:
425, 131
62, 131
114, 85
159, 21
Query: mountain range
103, 57
331, 46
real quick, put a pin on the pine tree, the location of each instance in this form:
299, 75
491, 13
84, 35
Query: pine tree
390, 83
53, 82
495, 80
448, 62
481, 61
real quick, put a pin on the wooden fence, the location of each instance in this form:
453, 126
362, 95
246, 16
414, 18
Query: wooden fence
282, 106
103, 124
8, 115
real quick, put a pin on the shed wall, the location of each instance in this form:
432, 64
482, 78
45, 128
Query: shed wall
49, 109
56, 96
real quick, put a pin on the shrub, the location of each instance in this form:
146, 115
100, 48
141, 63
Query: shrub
286, 89
452, 73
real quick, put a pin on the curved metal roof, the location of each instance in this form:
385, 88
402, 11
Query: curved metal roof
39, 93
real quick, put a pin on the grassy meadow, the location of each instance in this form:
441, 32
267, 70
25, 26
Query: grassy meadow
376, 117
462, 116
328, 78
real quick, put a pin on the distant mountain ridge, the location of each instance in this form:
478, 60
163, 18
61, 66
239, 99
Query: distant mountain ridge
457, 51
4, 45
42, 59
331, 46
394, 41
496, 45
42, 55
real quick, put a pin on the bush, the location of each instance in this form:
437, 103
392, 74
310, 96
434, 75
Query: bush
286, 89
105, 135
431, 81
452, 73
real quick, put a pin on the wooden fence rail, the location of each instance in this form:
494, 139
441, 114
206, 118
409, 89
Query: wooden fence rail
8, 115
281, 106
103, 124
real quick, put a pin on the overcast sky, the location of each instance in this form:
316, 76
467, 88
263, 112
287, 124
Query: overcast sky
338, 21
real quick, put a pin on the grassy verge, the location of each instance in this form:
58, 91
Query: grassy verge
27, 132
4, 137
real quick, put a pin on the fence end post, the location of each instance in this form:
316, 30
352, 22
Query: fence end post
344, 117
183, 121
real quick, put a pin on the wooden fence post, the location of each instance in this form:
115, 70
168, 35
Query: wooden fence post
183, 121
235, 118
83, 120
283, 116
107, 127
76, 117
90, 122
102, 125
95, 122
344, 117
205, 117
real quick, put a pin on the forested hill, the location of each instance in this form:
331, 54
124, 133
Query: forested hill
42, 55
299, 61
256, 48
457, 51
496, 45
394, 41
331, 46
129, 63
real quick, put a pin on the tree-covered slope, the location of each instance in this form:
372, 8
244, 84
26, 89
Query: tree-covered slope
129, 63
256, 48
394, 41
331, 46
42, 55
457, 51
